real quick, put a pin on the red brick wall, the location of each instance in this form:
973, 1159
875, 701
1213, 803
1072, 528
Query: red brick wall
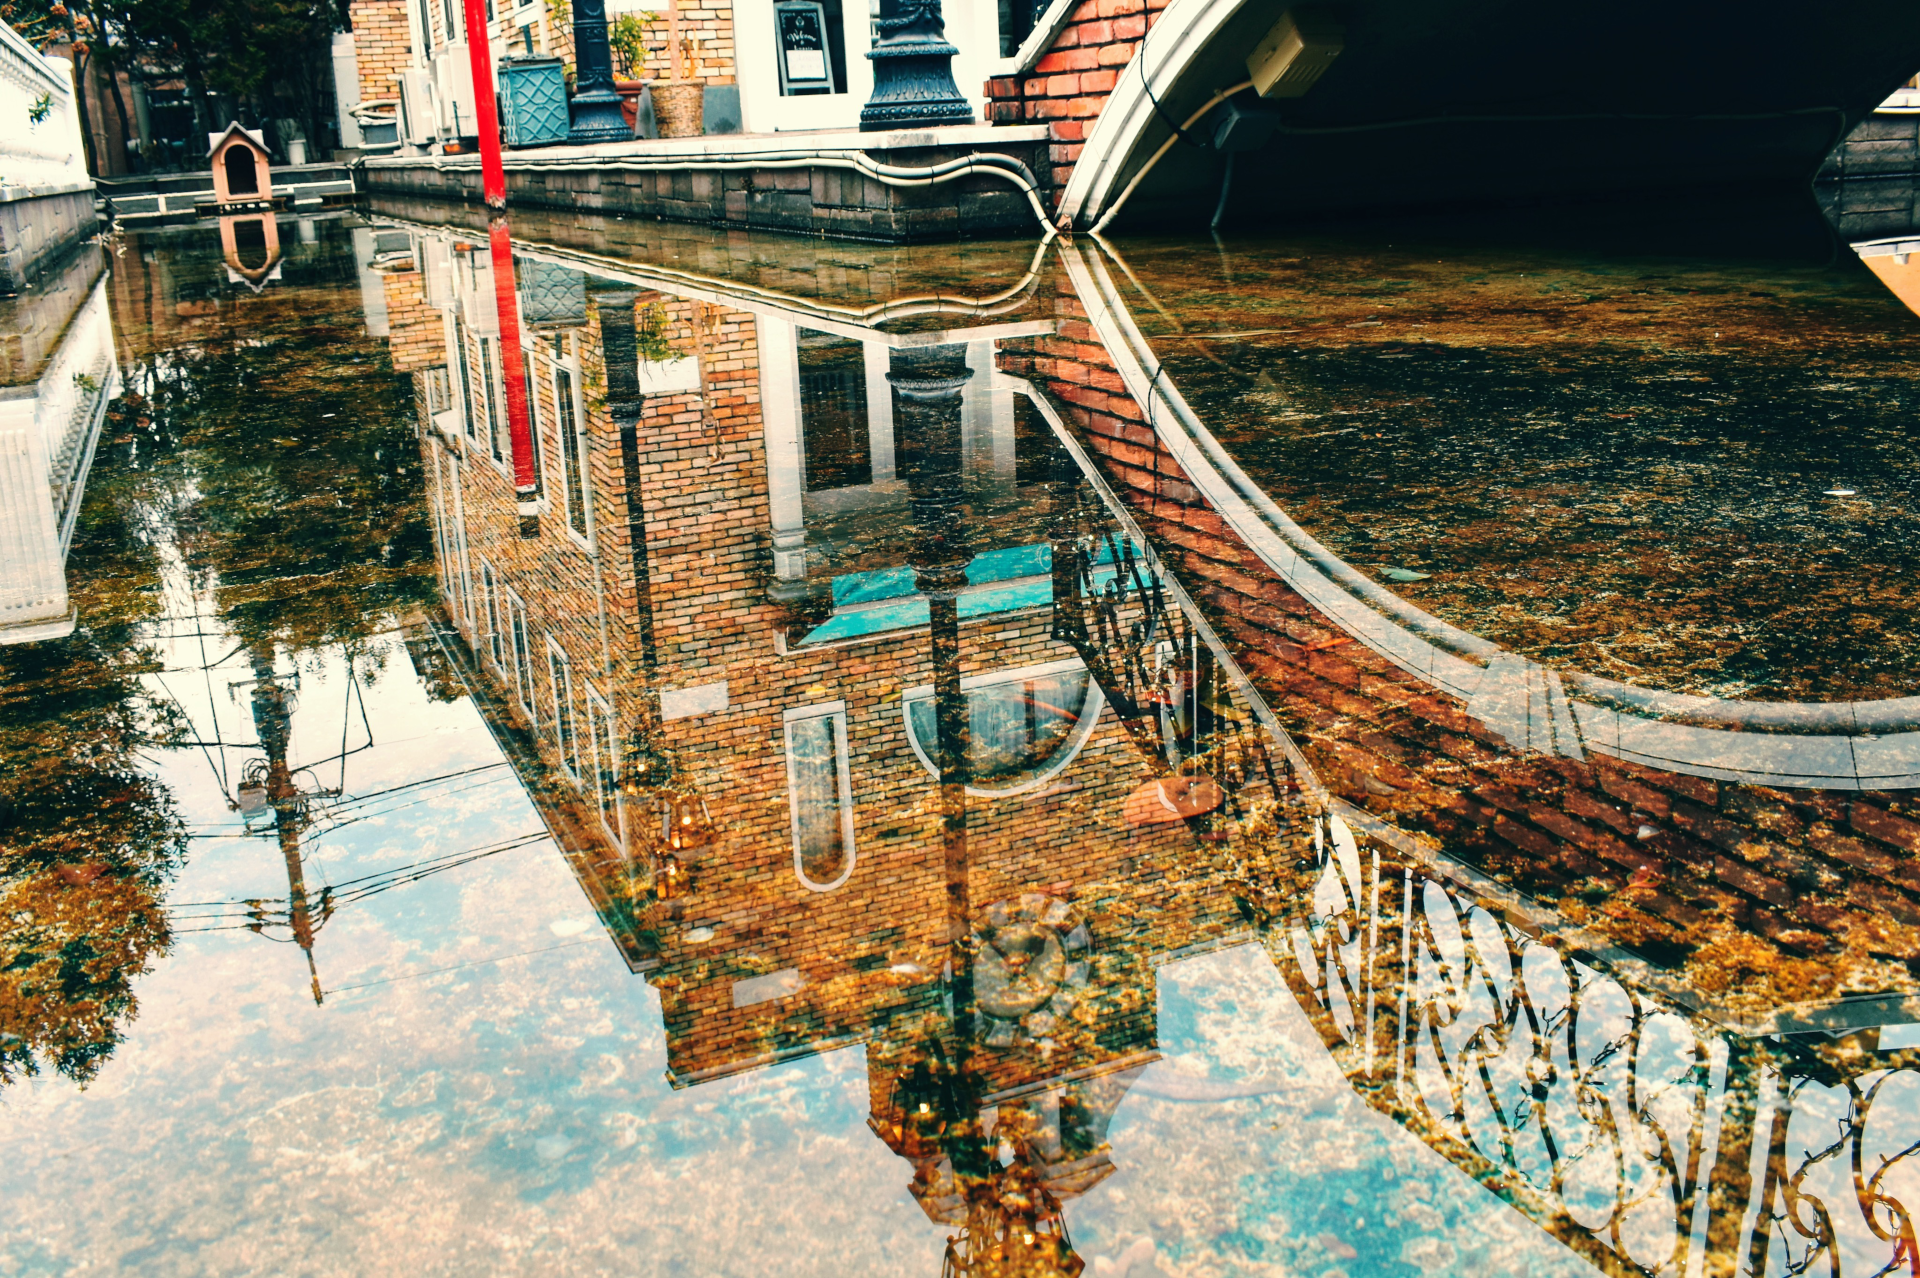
703, 498
1069, 85
381, 44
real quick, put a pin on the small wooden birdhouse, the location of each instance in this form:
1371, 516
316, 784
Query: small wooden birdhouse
242, 177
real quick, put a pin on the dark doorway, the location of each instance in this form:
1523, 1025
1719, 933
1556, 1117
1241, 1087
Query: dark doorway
241, 176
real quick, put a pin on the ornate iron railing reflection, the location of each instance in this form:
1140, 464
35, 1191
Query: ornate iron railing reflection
1622, 1126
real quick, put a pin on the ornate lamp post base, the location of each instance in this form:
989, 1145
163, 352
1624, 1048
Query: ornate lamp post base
596, 107
597, 118
913, 84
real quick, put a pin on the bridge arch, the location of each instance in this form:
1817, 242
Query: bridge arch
1490, 101
1850, 745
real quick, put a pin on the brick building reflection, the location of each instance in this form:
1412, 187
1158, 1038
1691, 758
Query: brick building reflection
850, 674
922, 778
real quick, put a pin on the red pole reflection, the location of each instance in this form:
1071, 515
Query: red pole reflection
493, 181
513, 362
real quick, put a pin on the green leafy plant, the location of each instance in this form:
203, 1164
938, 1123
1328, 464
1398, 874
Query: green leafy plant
651, 335
86, 383
42, 108
628, 37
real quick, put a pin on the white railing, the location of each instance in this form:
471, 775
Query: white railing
47, 436
40, 143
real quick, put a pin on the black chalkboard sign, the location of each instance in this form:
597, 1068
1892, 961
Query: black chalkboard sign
800, 28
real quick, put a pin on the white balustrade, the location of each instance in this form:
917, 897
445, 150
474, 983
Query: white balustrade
40, 143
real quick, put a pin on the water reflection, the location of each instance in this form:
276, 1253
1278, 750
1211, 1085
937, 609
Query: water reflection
1127, 643
942, 606
885, 668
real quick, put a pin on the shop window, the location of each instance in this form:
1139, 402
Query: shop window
833, 412
820, 795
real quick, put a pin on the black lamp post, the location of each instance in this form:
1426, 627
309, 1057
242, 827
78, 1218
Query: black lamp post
596, 107
912, 70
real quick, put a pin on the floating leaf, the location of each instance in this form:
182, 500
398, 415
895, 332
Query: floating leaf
1406, 574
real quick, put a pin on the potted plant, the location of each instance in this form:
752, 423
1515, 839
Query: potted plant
627, 35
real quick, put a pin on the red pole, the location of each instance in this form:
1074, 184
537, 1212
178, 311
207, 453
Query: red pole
493, 176
493, 182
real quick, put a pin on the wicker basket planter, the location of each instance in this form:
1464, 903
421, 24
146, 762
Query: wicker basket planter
678, 109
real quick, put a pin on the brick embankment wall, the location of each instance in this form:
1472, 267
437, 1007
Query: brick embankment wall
1068, 87
823, 201
1779, 896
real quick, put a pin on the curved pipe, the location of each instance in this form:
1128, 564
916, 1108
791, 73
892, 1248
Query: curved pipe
1007, 299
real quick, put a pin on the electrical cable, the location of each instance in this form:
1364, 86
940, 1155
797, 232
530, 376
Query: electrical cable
1212, 102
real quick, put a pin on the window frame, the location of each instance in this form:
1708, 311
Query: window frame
566, 723
499, 449
1089, 719
605, 783
519, 641
463, 368
488, 630
572, 463
836, 712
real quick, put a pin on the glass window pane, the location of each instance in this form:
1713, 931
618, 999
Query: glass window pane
562, 685
522, 659
573, 461
1015, 728
814, 748
833, 412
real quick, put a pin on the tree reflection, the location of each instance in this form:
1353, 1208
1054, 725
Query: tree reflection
305, 515
88, 841
269, 453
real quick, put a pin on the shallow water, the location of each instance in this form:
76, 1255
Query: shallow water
886, 799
